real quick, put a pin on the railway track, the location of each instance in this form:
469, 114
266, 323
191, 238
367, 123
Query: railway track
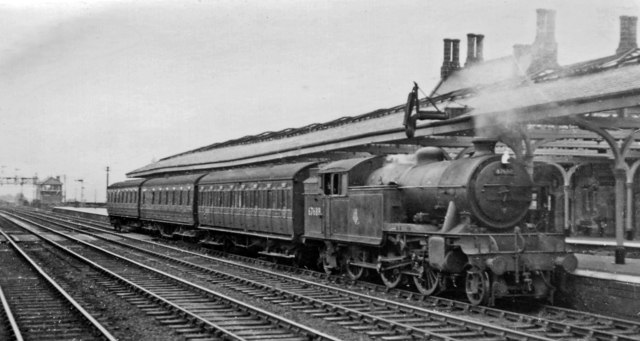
384, 318
194, 311
35, 306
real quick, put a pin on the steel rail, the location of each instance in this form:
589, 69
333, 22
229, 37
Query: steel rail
107, 335
578, 330
12, 321
292, 325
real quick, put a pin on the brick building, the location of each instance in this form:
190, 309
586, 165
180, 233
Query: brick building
49, 191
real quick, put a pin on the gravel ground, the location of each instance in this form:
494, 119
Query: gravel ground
121, 318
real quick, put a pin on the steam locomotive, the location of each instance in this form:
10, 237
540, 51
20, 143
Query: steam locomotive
437, 222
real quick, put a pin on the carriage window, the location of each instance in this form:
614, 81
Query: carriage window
280, 199
189, 197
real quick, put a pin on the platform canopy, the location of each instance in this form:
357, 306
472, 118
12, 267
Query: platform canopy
526, 100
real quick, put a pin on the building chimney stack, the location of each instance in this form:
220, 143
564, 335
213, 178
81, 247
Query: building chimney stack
544, 50
479, 47
628, 29
446, 62
455, 54
471, 49
474, 49
451, 60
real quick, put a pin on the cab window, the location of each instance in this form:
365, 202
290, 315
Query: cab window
334, 184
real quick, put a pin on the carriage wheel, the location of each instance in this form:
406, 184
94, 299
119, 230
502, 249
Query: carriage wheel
357, 255
478, 287
391, 278
428, 282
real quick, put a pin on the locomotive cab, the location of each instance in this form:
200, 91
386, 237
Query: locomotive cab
336, 209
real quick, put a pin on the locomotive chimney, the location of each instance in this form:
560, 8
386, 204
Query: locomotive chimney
484, 146
628, 28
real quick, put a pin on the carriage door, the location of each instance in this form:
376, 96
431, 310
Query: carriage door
336, 203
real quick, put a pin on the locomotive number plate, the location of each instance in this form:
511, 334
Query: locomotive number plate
314, 211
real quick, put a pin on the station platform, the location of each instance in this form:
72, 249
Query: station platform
86, 212
599, 284
596, 259
601, 242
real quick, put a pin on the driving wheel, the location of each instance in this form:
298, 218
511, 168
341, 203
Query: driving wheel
353, 271
478, 287
428, 280
391, 278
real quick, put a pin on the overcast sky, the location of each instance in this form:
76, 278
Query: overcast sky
86, 84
